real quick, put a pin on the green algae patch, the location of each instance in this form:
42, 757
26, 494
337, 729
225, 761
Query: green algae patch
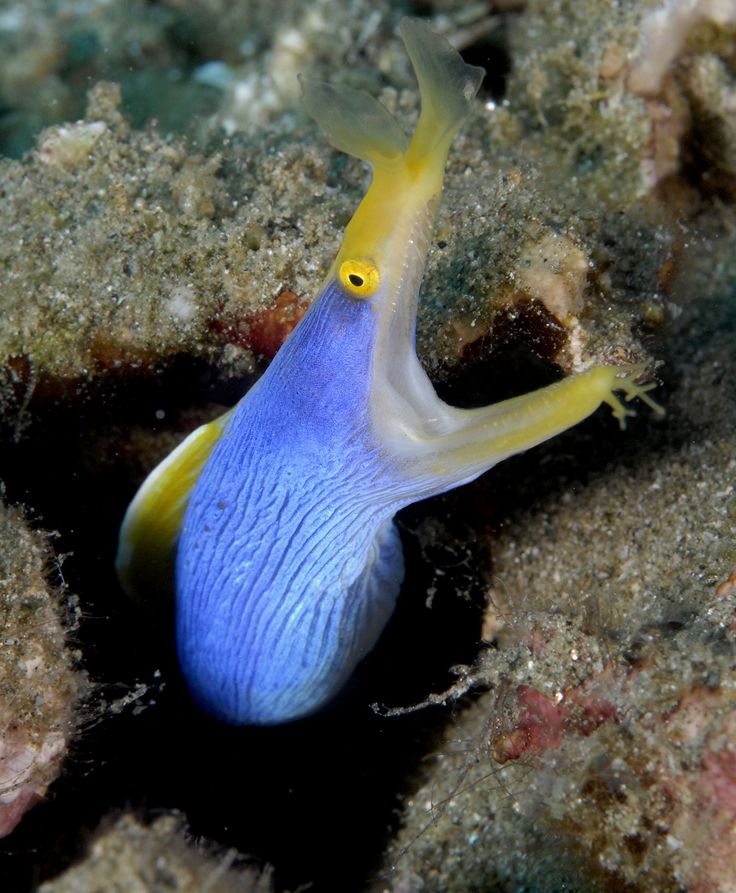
123, 248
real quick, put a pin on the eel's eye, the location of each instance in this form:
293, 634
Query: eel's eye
360, 277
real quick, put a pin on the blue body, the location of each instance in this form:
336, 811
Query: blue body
288, 564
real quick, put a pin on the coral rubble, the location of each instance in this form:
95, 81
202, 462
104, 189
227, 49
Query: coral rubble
129, 855
39, 685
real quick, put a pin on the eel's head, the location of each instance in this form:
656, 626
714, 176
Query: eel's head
382, 257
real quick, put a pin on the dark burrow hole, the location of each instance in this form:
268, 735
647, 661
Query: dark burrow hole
489, 49
514, 357
316, 799
492, 54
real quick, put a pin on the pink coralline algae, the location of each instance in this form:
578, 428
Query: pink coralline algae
39, 687
24, 774
543, 722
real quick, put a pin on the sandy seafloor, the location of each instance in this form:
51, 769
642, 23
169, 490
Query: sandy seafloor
567, 627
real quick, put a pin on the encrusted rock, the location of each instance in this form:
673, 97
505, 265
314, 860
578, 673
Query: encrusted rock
39, 687
132, 857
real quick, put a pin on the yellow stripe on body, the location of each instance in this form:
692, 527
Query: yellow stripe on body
148, 535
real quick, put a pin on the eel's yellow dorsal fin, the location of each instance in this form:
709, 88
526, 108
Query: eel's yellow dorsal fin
150, 529
355, 122
447, 86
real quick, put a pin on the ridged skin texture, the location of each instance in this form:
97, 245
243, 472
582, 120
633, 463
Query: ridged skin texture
271, 621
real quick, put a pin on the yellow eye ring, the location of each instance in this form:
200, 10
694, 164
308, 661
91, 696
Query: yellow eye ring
360, 277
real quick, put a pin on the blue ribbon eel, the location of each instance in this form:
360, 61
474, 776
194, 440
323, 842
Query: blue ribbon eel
276, 521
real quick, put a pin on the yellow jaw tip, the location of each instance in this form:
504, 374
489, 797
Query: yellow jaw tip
632, 391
